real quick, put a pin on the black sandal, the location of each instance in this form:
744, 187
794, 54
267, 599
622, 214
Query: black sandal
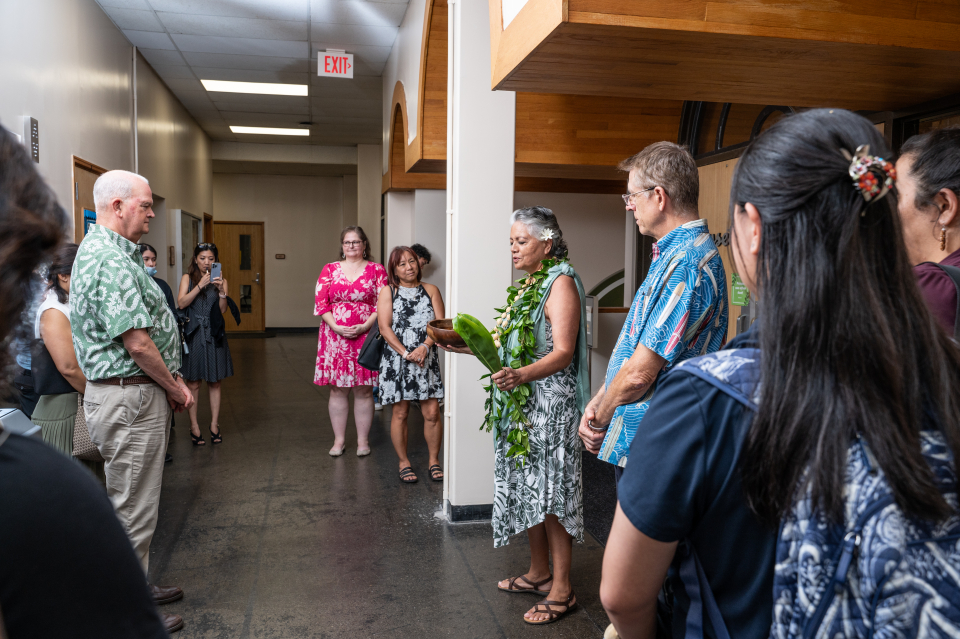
433, 470
533, 586
197, 440
546, 606
216, 438
406, 474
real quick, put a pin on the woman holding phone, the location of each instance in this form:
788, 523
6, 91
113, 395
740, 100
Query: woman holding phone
203, 291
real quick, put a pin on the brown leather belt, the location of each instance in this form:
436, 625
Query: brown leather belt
125, 381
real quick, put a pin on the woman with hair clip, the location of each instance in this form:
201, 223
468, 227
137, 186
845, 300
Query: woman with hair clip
346, 300
541, 492
835, 417
205, 357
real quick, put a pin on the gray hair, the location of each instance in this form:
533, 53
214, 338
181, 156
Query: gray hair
538, 219
672, 168
112, 185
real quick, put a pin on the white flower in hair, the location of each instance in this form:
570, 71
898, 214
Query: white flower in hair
546, 234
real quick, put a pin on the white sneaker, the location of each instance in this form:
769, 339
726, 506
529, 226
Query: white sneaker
377, 406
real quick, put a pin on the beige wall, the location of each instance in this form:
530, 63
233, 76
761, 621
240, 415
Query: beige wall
174, 151
302, 218
368, 193
64, 63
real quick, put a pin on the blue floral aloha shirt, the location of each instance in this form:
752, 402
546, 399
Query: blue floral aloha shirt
679, 312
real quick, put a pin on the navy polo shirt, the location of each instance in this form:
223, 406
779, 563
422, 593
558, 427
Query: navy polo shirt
683, 482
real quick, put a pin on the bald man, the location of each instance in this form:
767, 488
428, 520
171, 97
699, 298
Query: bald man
128, 346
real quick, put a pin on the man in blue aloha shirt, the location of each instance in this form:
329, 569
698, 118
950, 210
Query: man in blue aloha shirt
680, 310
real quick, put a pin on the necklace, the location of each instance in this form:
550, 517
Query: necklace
515, 318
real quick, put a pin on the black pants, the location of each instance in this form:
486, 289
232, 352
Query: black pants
28, 397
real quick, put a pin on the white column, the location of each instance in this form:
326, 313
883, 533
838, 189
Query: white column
399, 211
480, 173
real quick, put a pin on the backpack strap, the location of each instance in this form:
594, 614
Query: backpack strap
735, 372
954, 274
701, 596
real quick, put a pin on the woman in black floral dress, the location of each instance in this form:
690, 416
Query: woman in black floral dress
410, 368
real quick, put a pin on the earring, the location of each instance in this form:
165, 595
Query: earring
364, 255
943, 238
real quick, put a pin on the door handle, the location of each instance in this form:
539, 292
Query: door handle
258, 279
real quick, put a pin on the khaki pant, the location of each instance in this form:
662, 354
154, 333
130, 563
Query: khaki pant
129, 426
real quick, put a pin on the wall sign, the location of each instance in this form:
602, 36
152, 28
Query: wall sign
739, 293
334, 64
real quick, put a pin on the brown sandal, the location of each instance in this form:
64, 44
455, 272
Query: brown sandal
544, 606
534, 586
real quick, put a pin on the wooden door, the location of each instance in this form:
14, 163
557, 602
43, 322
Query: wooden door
84, 211
240, 245
715, 209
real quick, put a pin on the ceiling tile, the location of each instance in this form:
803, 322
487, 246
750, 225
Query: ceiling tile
378, 14
263, 9
149, 39
253, 62
134, 19
173, 72
242, 46
161, 57
125, 4
230, 27
353, 34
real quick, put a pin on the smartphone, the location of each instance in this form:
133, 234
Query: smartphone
216, 271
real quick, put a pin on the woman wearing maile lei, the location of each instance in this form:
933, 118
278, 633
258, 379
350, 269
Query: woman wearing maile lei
541, 390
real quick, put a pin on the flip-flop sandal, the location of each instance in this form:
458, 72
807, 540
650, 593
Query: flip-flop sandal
534, 586
406, 474
545, 606
433, 470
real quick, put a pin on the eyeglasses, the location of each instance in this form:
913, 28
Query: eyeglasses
353, 243
203, 246
626, 196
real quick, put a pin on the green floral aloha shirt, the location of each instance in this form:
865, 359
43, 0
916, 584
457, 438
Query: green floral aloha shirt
110, 293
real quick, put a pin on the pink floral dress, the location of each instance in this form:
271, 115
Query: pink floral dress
351, 303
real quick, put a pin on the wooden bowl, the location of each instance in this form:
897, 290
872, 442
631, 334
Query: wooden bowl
441, 331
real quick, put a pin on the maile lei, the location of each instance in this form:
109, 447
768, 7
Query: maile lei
515, 318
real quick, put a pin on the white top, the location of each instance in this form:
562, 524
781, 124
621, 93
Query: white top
49, 301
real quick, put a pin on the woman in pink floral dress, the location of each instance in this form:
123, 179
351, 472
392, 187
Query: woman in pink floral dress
347, 301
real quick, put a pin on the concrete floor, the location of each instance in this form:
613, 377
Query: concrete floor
270, 537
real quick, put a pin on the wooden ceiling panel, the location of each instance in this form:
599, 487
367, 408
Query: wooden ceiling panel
809, 53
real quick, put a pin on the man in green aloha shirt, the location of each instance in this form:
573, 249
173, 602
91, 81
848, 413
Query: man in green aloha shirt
127, 345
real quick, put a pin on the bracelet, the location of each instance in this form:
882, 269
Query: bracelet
223, 297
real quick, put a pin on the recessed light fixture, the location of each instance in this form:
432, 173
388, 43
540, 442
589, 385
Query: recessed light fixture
264, 88
263, 130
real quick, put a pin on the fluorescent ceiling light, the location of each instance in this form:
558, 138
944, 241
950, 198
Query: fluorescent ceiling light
263, 130
265, 88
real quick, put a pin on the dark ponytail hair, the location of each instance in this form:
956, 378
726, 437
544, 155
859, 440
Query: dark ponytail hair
62, 264
848, 347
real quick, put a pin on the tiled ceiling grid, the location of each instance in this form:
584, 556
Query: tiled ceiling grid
268, 41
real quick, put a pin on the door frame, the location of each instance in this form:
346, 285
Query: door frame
263, 274
77, 209
207, 227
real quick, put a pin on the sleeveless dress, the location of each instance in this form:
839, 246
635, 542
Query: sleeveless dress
400, 379
550, 482
203, 359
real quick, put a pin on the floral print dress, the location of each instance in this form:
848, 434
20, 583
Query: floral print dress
350, 303
400, 379
549, 483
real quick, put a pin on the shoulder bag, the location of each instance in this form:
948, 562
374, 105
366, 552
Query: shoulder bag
371, 353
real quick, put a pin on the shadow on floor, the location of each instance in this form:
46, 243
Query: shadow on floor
272, 538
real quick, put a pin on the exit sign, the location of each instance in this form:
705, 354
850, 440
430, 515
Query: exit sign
335, 64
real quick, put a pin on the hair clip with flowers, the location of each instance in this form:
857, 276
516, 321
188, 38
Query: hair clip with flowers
872, 176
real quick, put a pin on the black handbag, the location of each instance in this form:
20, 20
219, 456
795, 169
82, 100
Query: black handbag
371, 353
47, 380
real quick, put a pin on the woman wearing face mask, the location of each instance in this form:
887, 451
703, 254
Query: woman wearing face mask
205, 358
149, 255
